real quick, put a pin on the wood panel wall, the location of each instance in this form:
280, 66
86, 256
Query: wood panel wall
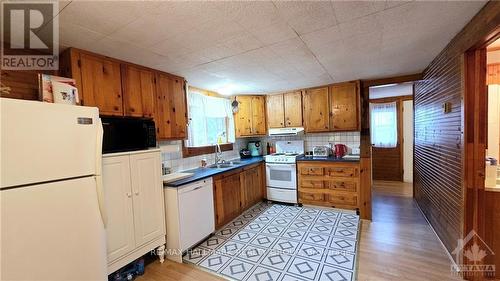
439, 137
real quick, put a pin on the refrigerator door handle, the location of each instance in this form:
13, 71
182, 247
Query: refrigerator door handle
98, 178
100, 200
98, 153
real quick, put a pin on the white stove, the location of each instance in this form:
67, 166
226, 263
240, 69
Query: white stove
281, 157
281, 171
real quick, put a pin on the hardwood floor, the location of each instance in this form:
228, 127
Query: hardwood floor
397, 245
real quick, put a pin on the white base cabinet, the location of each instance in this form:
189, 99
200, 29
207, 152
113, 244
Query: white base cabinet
133, 192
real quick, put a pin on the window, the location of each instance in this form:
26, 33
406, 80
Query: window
210, 120
384, 125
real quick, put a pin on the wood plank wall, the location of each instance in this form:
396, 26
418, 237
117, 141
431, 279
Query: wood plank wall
439, 140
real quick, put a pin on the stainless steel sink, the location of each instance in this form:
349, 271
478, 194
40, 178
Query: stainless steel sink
220, 166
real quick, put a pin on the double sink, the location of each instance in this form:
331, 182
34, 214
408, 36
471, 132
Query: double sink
229, 164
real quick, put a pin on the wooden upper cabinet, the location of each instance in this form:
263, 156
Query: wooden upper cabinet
345, 107
284, 110
275, 111
101, 84
243, 118
250, 120
293, 109
171, 107
316, 110
258, 115
138, 91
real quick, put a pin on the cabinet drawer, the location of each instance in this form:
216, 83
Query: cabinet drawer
341, 185
311, 171
309, 196
342, 171
343, 199
311, 184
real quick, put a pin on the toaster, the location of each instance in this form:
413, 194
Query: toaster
321, 151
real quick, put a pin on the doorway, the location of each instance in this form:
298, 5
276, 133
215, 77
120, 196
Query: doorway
391, 128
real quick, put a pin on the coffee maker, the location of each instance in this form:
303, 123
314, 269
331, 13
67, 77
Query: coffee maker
255, 148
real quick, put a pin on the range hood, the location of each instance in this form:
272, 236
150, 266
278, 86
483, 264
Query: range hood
291, 131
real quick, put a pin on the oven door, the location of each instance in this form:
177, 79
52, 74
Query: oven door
281, 176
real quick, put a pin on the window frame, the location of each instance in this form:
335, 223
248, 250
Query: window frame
190, 151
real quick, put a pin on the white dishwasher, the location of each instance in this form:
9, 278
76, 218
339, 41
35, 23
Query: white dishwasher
190, 216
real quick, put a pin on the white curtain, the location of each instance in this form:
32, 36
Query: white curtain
384, 125
210, 119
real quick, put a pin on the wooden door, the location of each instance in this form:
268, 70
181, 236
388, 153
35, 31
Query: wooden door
243, 118
101, 84
387, 162
316, 110
227, 198
345, 107
275, 111
147, 192
171, 107
119, 209
293, 109
258, 115
138, 91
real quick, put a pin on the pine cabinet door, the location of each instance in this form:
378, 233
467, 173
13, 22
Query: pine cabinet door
243, 118
345, 107
227, 199
293, 109
171, 107
138, 91
275, 111
101, 84
147, 192
119, 208
316, 110
258, 115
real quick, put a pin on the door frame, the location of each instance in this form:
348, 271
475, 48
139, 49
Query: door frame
475, 127
399, 107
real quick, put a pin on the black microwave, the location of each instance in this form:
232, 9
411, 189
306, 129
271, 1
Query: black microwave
127, 134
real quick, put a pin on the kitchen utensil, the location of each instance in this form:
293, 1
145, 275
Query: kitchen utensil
245, 153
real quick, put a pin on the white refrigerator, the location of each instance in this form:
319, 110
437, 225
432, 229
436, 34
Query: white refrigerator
52, 222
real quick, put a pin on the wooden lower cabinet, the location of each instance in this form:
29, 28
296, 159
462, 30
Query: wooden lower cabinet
330, 184
237, 190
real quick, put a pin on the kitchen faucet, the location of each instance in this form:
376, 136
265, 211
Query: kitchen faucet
218, 151
218, 154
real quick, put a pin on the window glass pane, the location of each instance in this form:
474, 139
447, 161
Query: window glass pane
384, 126
210, 118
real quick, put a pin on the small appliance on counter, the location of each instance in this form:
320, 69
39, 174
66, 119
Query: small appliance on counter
340, 150
321, 151
255, 148
245, 153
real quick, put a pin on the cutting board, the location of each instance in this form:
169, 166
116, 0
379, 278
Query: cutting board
175, 176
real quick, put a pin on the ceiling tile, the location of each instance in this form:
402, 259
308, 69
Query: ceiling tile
268, 46
307, 16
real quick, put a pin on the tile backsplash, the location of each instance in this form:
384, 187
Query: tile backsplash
172, 150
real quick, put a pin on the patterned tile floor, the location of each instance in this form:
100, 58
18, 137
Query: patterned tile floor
279, 242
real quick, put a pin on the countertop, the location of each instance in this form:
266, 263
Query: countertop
202, 173
327, 159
